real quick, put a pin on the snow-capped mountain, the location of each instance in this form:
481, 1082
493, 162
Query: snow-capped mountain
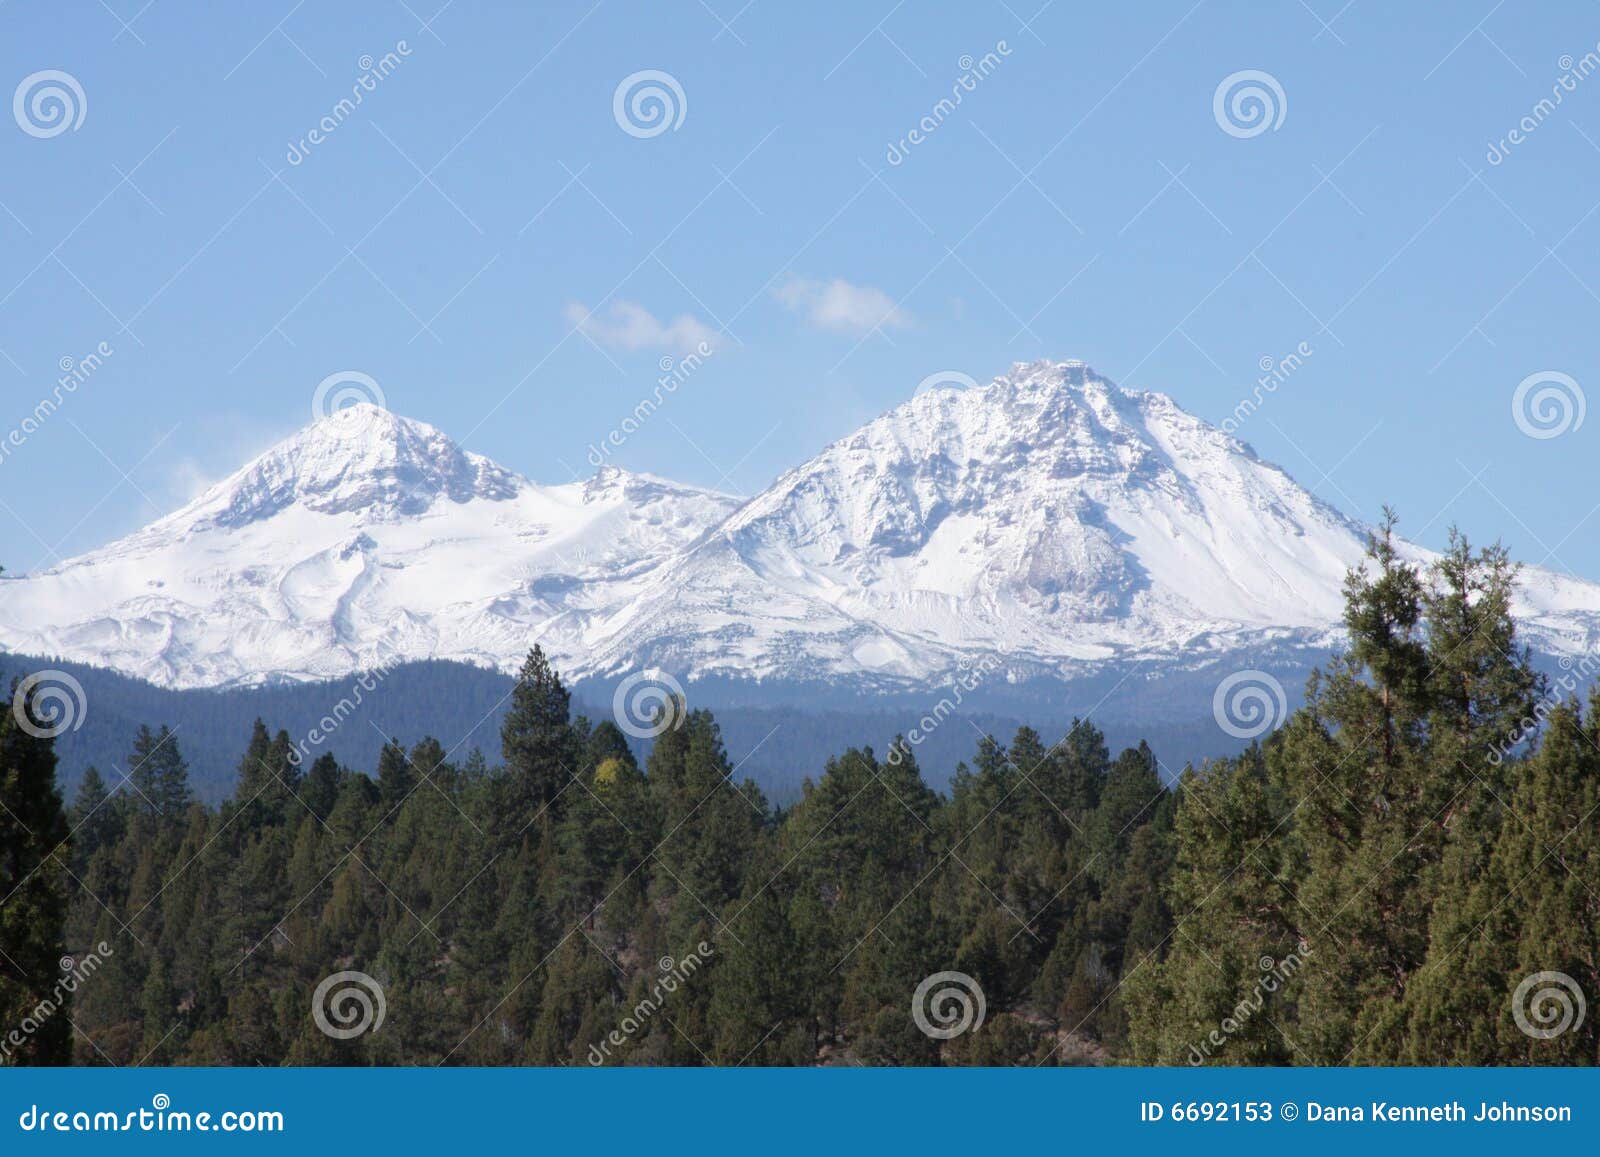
1050, 524
1051, 518
364, 540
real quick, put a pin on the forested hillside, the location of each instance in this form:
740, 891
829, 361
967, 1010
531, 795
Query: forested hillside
464, 706
1377, 882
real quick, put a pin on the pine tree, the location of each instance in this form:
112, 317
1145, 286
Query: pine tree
537, 739
396, 776
319, 790
256, 772
606, 832
1206, 1001
757, 1011
158, 778
1372, 884
580, 994
710, 823
33, 901
96, 821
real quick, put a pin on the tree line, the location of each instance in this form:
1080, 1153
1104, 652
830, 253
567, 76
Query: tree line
1379, 881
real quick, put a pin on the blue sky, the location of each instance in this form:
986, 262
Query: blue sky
1083, 200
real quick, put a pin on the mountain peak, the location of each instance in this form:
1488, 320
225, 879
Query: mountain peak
1070, 371
1044, 407
1046, 378
1049, 522
364, 419
359, 458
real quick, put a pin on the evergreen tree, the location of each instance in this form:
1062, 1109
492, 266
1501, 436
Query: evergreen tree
1235, 914
397, 778
95, 819
158, 778
537, 739
33, 901
710, 824
757, 1011
1373, 884
1529, 912
319, 790
606, 833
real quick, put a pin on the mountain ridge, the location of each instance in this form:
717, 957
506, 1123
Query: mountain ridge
1046, 524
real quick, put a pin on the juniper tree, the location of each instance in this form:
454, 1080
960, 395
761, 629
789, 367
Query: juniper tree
1529, 911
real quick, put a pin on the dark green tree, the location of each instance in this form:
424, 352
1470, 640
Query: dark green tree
537, 739
158, 777
33, 875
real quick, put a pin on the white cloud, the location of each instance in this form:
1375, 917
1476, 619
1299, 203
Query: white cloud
839, 306
630, 326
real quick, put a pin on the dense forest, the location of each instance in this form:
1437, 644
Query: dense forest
1405, 872
465, 706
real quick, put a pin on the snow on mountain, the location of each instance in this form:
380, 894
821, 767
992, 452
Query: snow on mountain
1050, 522
1051, 517
363, 540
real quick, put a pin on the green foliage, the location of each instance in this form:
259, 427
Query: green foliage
1389, 843
1370, 885
33, 902
570, 899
